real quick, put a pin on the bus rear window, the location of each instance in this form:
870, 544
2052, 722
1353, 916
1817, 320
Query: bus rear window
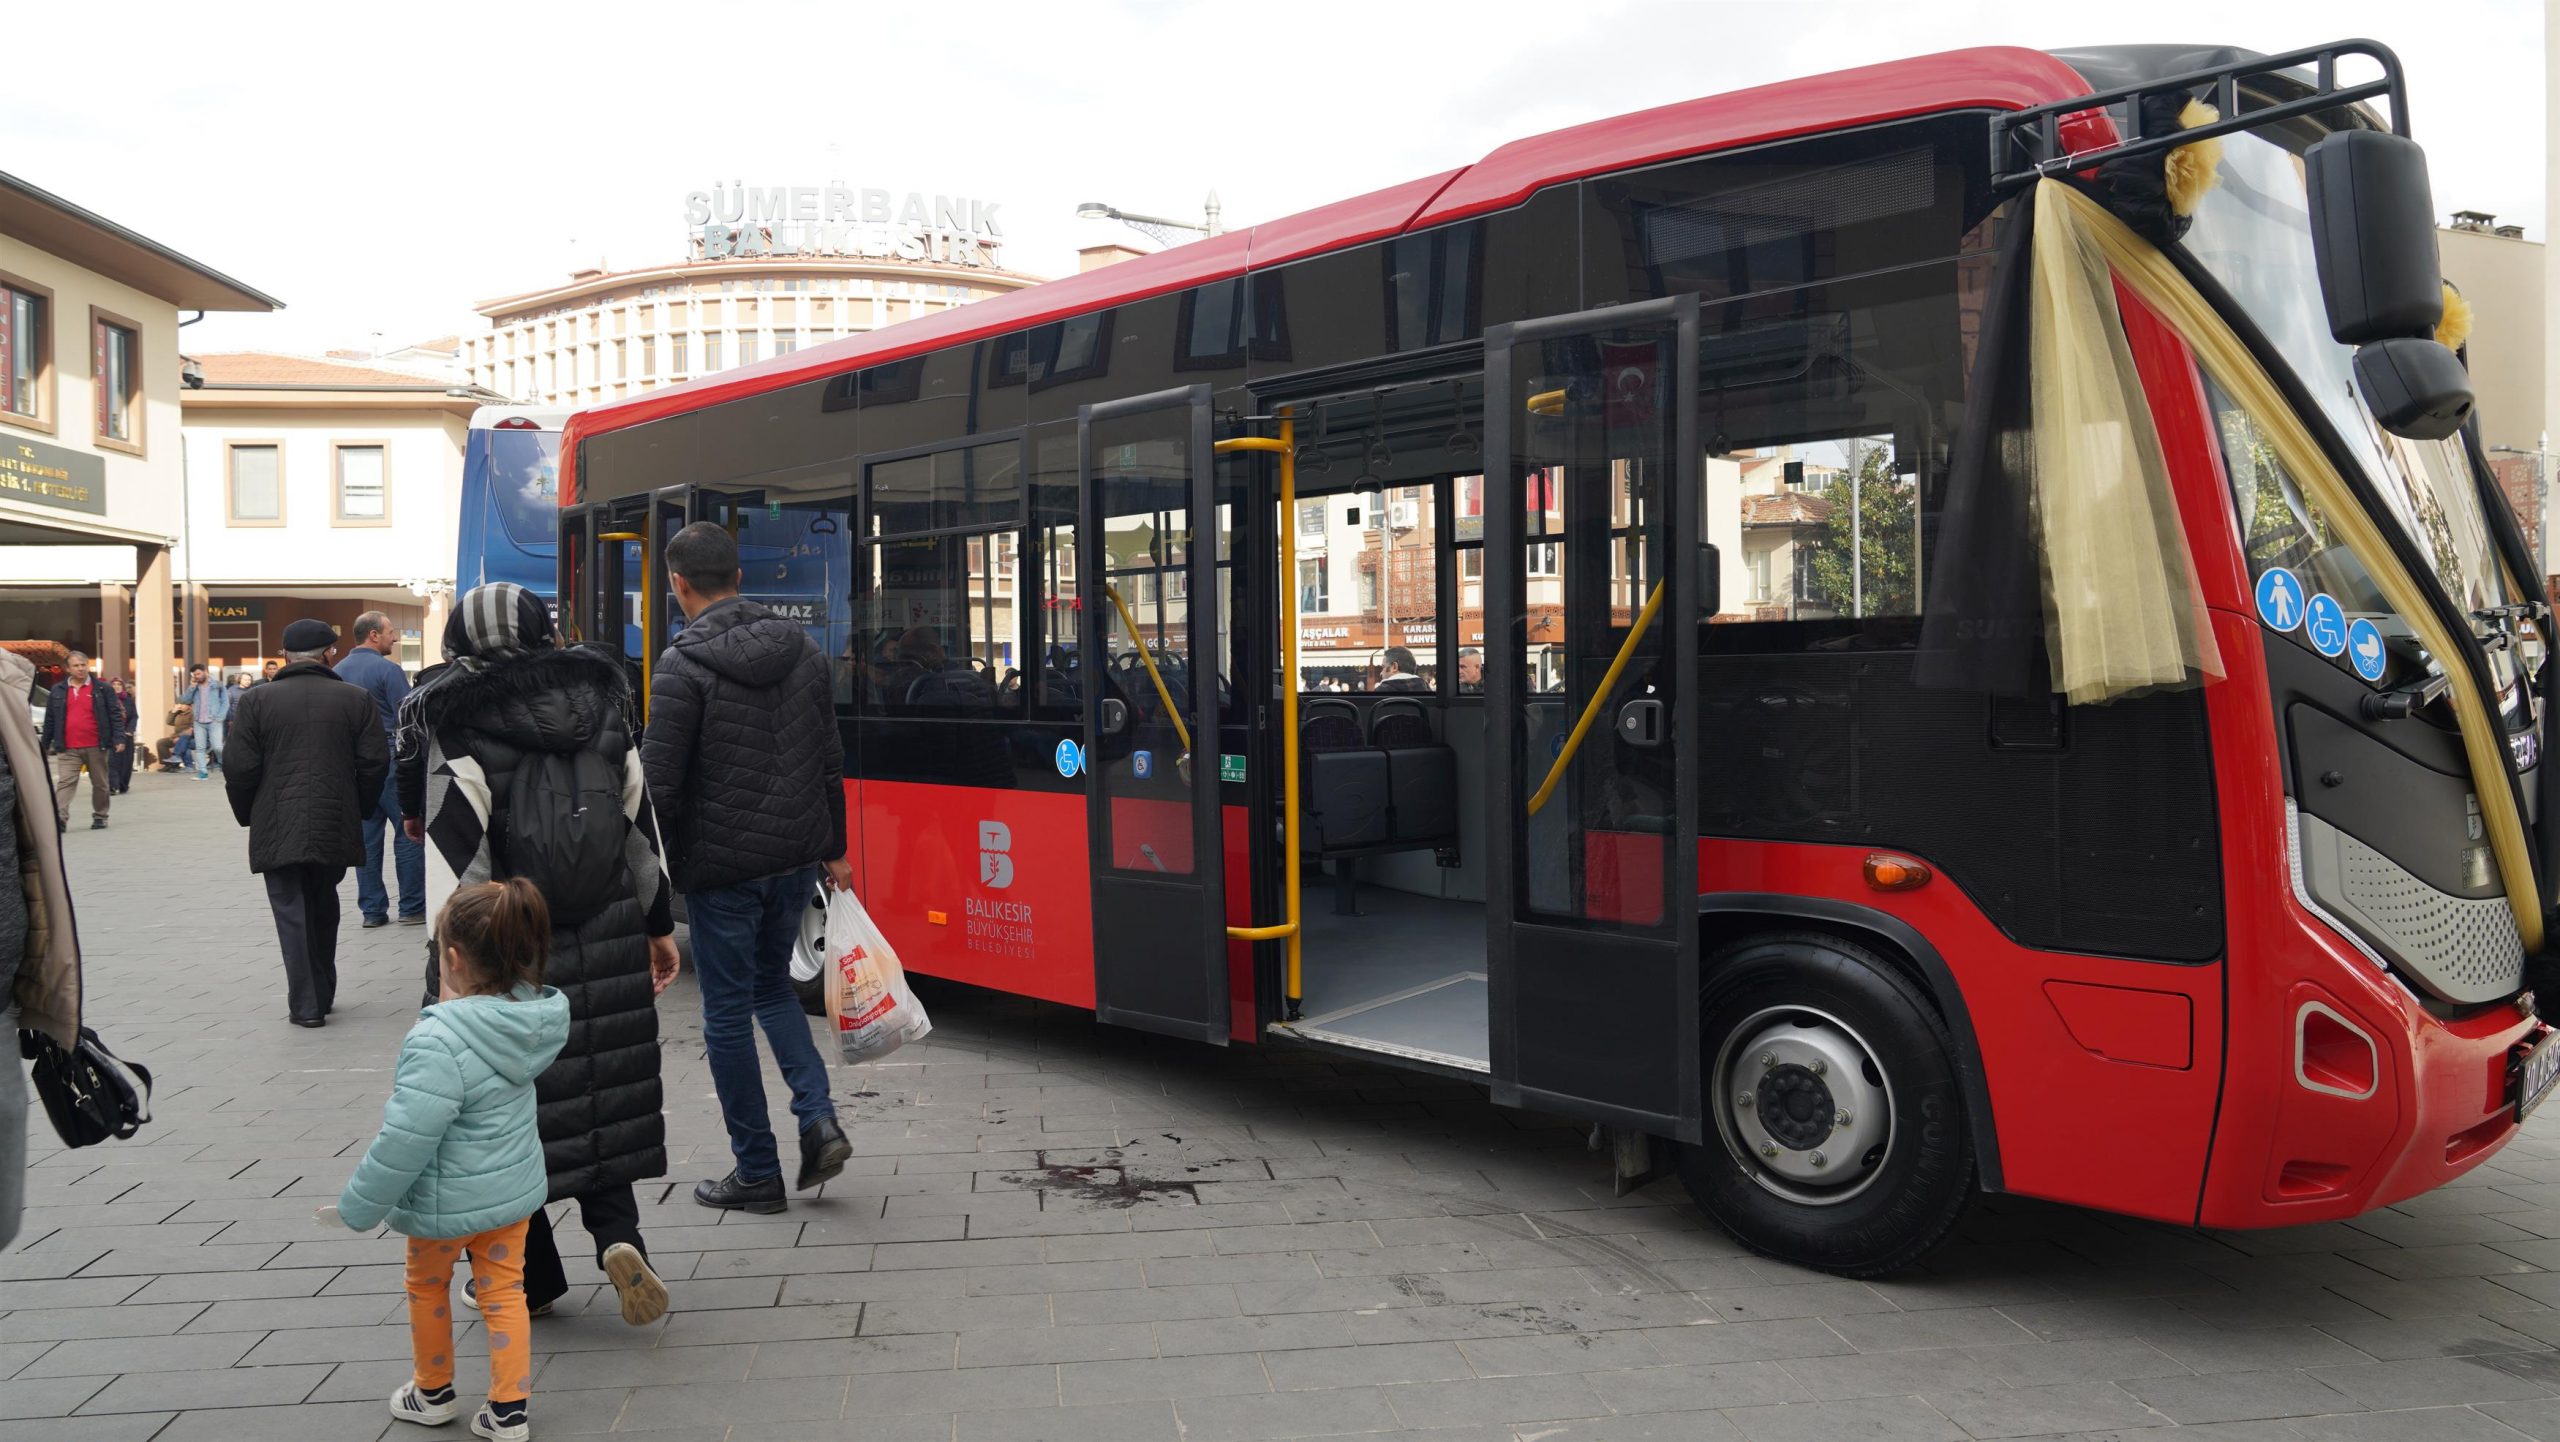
524, 481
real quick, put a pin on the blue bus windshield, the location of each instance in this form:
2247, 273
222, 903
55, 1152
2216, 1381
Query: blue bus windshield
524, 482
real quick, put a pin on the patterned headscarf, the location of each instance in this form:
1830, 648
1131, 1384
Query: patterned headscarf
497, 622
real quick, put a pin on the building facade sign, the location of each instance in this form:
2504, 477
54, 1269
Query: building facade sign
841, 220
53, 476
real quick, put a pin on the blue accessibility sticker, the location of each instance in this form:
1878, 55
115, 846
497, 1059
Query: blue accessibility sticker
2366, 651
1070, 758
1142, 764
2325, 623
2280, 598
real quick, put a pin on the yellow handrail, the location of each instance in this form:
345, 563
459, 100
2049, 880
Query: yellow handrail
1162, 693
1591, 708
1285, 445
1547, 403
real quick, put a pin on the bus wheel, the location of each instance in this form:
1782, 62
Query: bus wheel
1837, 1134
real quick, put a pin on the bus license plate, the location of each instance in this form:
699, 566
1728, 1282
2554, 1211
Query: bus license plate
2536, 1071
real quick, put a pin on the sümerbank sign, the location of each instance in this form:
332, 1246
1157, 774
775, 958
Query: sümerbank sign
841, 220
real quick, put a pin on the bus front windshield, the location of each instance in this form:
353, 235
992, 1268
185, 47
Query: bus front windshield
2252, 233
524, 481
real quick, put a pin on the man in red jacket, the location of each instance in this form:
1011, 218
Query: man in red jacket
83, 729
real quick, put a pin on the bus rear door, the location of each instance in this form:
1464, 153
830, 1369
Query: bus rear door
1591, 473
1147, 548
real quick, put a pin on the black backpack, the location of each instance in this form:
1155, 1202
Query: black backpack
563, 830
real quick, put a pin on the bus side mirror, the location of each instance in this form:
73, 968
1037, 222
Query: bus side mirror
2373, 237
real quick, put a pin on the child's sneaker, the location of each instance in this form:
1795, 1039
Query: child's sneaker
487, 1424
471, 1299
413, 1403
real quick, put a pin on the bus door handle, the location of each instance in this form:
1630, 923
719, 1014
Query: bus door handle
1115, 715
1640, 723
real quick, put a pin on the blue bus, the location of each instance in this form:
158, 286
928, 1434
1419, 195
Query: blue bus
511, 500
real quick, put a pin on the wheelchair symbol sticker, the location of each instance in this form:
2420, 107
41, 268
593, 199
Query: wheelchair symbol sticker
2324, 622
2365, 649
2280, 598
1070, 758
1142, 764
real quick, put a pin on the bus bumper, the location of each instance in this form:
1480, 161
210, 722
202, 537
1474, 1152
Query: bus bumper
2343, 1094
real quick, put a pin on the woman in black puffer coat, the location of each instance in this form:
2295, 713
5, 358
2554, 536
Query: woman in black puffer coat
507, 698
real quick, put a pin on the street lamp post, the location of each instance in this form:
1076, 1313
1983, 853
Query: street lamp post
1157, 228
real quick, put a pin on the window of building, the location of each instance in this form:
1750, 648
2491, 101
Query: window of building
363, 484
1310, 518
253, 483
1542, 559
785, 342
115, 350
1314, 597
26, 354
649, 358
746, 347
711, 350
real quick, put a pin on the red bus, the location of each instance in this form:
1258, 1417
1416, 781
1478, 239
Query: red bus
1879, 637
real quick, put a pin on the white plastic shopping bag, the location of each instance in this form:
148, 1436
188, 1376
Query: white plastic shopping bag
874, 1011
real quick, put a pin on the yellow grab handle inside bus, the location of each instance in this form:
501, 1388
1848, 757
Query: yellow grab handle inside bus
1591, 708
1547, 403
1163, 694
1285, 445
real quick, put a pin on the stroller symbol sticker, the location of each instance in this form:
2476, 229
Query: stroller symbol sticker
2365, 649
2280, 598
2325, 624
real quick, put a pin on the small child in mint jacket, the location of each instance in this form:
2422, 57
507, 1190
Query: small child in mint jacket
458, 1165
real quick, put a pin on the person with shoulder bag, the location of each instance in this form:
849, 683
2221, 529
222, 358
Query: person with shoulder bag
39, 942
516, 759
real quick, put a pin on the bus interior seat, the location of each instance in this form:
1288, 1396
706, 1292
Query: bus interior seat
1399, 721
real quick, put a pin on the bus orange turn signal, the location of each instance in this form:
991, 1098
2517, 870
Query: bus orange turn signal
1888, 872
938, 918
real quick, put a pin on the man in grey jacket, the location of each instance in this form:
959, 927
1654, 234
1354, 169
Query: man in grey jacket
746, 769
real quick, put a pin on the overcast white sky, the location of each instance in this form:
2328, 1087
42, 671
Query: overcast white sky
382, 168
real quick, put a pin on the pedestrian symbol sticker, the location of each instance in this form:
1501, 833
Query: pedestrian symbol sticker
1070, 758
1142, 764
2325, 623
2280, 598
2365, 649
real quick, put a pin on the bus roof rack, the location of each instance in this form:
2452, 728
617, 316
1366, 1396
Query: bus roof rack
2035, 133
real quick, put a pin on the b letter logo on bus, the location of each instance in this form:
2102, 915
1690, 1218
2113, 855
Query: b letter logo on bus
995, 855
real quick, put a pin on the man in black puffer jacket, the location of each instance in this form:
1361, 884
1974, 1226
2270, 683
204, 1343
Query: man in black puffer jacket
747, 768
507, 699
306, 752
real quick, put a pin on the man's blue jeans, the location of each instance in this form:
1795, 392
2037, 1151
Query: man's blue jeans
208, 745
742, 940
409, 858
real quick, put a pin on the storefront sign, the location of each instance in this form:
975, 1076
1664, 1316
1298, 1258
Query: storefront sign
839, 220
52, 476
235, 610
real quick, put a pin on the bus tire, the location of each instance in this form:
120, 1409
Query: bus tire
1836, 1135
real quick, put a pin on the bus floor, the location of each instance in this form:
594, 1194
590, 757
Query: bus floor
1406, 976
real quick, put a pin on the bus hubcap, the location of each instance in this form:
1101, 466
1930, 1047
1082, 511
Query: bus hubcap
1806, 1109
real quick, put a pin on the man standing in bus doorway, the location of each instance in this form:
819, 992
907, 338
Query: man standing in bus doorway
370, 666
746, 767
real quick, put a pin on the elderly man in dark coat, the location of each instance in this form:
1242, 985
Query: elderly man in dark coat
307, 754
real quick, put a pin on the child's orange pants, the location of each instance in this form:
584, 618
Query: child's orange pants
497, 1265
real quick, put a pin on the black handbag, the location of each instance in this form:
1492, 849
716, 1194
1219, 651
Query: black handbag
90, 1093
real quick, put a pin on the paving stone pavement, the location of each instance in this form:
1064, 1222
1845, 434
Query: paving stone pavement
1054, 1231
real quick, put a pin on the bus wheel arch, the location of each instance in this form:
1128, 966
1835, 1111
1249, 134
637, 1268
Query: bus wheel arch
1725, 918
1828, 1070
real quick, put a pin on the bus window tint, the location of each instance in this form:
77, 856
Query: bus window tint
941, 630
964, 486
524, 483
793, 559
1827, 414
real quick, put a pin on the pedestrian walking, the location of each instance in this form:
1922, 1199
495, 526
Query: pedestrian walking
307, 759
369, 665
457, 1166
120, 764
499, 749
83, 728
747, 768
211, 700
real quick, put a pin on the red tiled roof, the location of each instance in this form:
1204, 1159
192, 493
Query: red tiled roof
265, 368
1790, 509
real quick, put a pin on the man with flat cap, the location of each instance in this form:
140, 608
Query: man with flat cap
305, 761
